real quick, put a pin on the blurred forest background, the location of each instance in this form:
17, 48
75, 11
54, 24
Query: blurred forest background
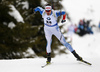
27, 34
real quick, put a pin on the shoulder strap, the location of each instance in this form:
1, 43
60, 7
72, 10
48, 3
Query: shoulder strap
43, 14
54, 14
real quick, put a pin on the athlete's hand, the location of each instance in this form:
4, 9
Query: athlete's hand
63, 21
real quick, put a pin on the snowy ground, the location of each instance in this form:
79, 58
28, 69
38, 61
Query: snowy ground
88, 47
60, 65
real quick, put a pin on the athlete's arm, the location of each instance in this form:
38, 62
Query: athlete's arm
62, 13
40, 9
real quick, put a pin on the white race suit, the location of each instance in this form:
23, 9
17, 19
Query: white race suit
51, 28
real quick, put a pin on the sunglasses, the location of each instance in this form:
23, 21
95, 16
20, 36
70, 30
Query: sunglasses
48, 10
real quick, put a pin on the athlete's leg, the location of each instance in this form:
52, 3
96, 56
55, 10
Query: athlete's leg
60, 36
48, 36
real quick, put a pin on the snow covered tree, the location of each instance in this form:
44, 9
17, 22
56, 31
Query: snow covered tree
26, 32
16, 40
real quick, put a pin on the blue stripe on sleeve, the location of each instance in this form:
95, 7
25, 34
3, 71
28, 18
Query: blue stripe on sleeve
39, 9
60, 13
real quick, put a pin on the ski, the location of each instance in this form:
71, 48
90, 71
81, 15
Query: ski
46, 65
85, 62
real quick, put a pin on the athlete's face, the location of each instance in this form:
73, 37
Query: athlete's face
48, 12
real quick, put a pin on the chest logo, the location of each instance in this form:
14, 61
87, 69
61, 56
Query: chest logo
48, 18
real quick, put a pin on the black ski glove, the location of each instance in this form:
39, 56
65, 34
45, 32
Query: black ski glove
63, 21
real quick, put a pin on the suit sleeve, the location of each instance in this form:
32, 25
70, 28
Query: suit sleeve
40, 9
60, 13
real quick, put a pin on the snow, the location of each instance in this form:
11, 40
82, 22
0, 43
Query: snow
15, 13
88, 46
43, 2
64, 63
29, 52
79, 9
25, 5
11, 25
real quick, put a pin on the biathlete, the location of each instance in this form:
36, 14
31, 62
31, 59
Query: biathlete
51, 28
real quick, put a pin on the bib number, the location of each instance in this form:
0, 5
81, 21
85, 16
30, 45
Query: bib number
48, 21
